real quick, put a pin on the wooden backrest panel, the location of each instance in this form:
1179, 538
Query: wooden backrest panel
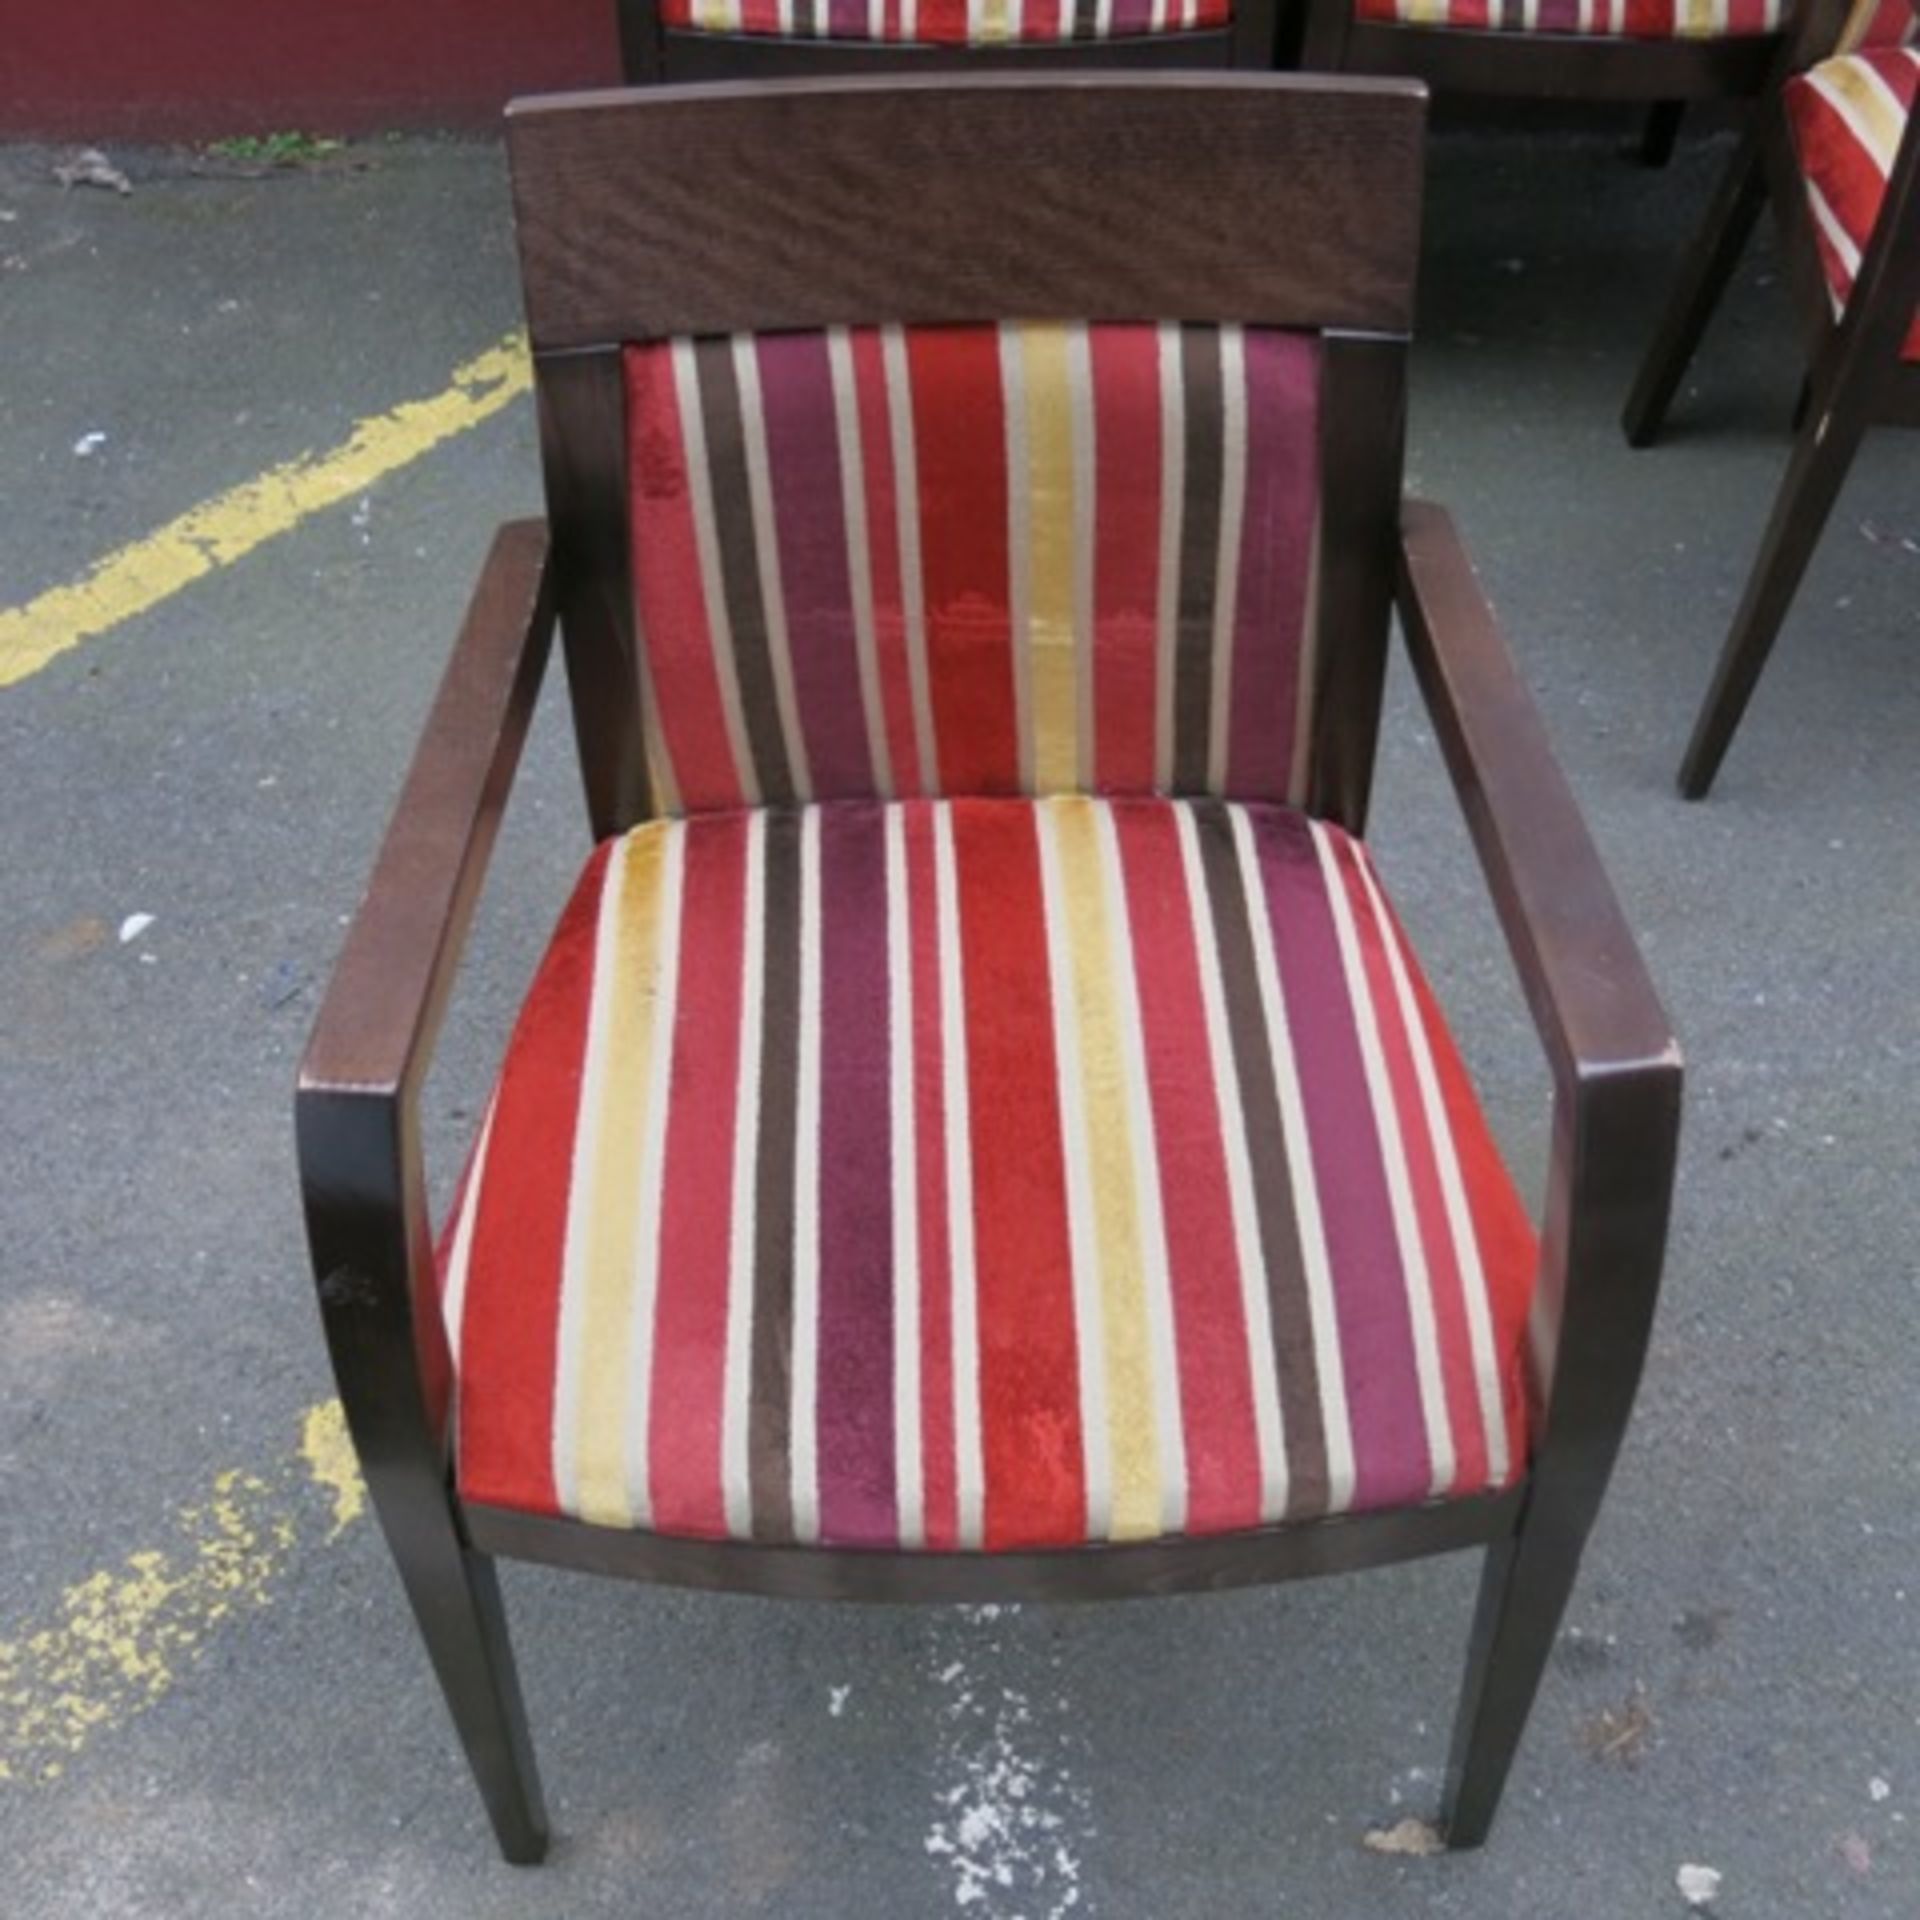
738, 209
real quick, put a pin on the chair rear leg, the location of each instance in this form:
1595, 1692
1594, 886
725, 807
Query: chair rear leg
1661, 131
1523, 1593
1822, 452
455, 1595
1703, 278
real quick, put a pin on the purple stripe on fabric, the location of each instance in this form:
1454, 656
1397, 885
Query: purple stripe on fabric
855, 1401
803, 461
1391, 1463
1132, 16
1276, 547
847, 19
1557, 16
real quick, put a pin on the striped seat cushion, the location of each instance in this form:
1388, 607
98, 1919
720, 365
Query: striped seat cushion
1615, 19
1879, 23
946, 23
1847, 116
981, 1174
1024, 559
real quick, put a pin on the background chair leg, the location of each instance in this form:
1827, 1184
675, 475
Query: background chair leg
1708, 266
1523, 1592
1662, 129
455, 1595
1822, 453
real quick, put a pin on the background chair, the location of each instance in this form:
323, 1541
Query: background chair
767, 39
1837, 152
979, 1131
1665, 52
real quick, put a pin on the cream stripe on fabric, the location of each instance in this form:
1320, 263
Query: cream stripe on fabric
766, 543
1870, 109
706, 540
803, 1428
1173, 495
1329, 1361
906, 493
736, 1472
606, 1130
1414, 1275
1269, 1414
1095, 1343
1085, 468
1839, 239
853, 499
1226, 573
909, 1470
969, 1469
1051, 526
1453, 1188
453, 1286
1013, 391
1133, 1114
662, 783
649, 1179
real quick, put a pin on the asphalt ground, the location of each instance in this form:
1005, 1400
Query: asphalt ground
212, 1701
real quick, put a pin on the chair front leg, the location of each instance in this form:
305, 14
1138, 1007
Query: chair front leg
1823, 450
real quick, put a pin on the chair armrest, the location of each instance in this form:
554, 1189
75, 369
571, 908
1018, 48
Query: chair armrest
1616, 1067
355, 1104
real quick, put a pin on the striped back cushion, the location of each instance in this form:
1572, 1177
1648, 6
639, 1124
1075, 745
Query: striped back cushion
947, 23
1034, 558
1880, 23
1604, 19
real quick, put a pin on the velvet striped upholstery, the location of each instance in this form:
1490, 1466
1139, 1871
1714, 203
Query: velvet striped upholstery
946, 560
1879, 23
946, 23
1847, 116
983, 1173
1616, 19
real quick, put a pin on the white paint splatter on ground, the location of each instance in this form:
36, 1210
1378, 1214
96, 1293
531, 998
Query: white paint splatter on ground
1011, 1818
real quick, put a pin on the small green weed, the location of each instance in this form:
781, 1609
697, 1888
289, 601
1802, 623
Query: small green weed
288, 149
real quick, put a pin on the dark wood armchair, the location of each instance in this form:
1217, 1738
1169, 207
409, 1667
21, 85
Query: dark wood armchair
1837, 152
797, 39
979, 1130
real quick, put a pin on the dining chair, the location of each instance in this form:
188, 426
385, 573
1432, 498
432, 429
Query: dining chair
1837, 153
791, 39
979, 1131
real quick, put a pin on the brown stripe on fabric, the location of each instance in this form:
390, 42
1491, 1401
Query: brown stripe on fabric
1303, 1436
1086, 19
769, 1434
740, 567
1199, 556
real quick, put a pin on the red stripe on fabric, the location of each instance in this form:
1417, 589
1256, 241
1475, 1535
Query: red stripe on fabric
1126, 555
959, 414
1276, 556
1847, 171
1211, 1338
676, 13
883, 549
510, 1350
696, 1227
944, 22
668, 589
939, 1492
759, 16
1451, 1338
1509, 1247
1031, 1443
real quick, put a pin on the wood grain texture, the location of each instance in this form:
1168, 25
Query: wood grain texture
1086, 1573
1278, 200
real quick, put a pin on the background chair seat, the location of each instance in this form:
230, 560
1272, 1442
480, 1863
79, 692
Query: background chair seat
1607, 19
1847, 115
984, 1173
945, 23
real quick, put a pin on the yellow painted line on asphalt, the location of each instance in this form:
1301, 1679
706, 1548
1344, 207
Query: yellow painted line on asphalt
226, 528
119, 1641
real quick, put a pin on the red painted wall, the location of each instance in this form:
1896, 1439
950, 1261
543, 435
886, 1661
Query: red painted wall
199, 69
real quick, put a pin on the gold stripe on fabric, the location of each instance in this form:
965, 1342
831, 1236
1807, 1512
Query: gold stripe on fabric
1052, 570
615, 1220
1871, 111
1093, 923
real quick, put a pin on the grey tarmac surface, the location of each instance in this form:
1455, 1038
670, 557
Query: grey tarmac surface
1740, 1684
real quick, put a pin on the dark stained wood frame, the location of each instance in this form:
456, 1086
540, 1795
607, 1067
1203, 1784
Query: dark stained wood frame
1320, 260
651, 52
1856, 377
